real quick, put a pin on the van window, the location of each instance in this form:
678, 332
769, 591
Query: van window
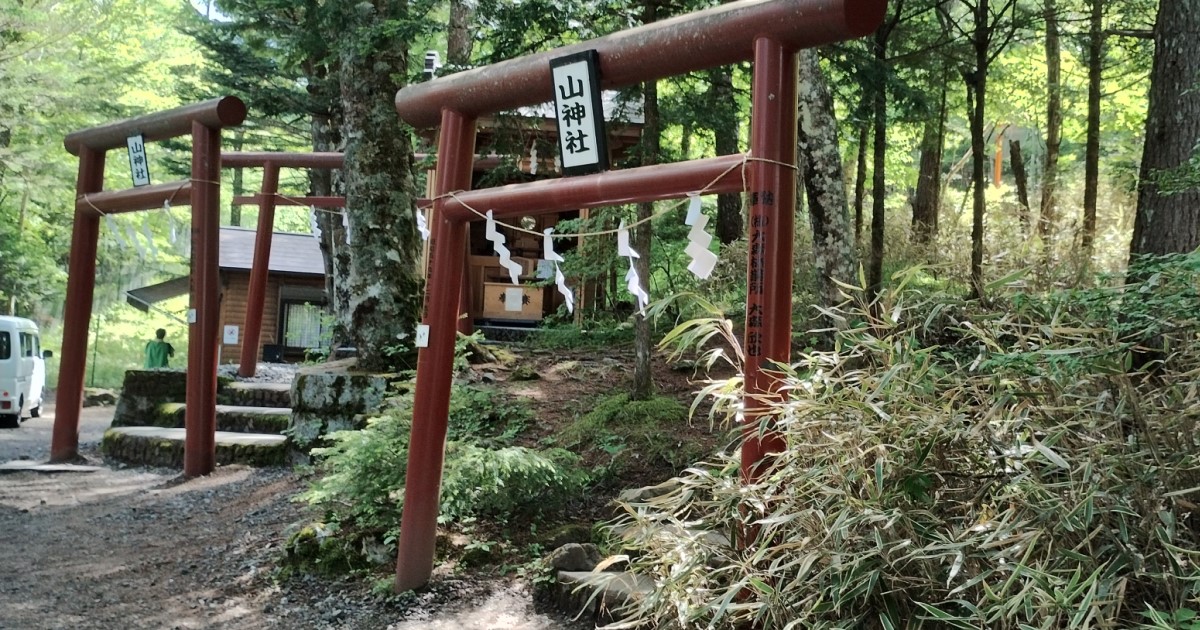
5, 346
26, 345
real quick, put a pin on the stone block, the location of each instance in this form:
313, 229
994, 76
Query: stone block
333, 397
574, 557
601, 596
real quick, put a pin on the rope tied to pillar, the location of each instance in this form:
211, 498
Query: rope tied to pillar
743, 164
87, 197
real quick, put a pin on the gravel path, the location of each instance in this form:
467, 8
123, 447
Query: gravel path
140, 548
32, 440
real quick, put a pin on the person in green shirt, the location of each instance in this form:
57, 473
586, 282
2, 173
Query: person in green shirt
158, 351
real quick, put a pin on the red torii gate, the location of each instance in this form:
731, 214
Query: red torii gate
202, 191
267, 199
767, 31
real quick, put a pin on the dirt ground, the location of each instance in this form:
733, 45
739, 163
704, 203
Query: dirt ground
141, 548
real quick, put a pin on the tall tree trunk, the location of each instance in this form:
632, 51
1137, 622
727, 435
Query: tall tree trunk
975, 96
725, 134
998, 159
977, 101
1168, 208
1018, 167
820, 160
458, 38
860, 180
5, 141
643, 382
1053, 130
239, 187
320, 69
929, 179
325, 128
385, 288
1091, 160
878, 180
22, 216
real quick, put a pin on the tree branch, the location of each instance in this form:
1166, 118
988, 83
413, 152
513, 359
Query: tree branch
1133, 33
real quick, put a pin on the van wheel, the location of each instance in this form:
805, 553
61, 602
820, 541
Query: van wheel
12, 421
35, 412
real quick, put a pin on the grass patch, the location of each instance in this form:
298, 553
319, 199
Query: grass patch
625, 428
563, 335
1027, 477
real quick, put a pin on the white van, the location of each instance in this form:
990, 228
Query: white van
22, 371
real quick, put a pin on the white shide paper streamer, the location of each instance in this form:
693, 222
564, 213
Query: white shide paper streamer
115, 231
497, 239
131, 235
312, 223
422, 225
174, 236
149, 236
632, 283
549, 254
703, 260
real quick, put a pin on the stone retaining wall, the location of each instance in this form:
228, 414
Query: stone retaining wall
144, 391
331, 397
255, 395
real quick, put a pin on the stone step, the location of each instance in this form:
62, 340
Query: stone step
253, 419
229, 418
256, 394
157, 446
601, 595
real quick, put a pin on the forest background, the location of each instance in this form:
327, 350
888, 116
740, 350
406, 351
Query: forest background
997, 425
920, 117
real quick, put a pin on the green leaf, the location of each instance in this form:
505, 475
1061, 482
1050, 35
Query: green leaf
761, 586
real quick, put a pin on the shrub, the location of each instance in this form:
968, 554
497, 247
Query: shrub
361, 485
1035, 484
562, 334
485, 416
642, 426
508, 482
363, 472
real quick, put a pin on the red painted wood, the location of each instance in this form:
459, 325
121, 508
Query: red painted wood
703, 39
77, 313
769, 267
200, 416
133, 199
226, 111
435, 363
259, 270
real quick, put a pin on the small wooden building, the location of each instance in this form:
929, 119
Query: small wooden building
492, 298
295, 310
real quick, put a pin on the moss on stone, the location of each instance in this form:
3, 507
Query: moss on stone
170, 415
334, 400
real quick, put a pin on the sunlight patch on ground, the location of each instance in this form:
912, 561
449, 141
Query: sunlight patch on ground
504, 609
30, 491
